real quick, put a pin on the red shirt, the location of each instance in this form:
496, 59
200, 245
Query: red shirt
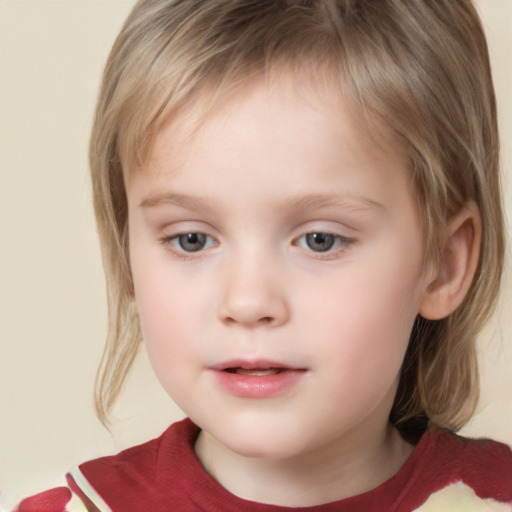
165, 475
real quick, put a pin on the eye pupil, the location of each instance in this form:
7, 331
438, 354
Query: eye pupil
192, 242
320, 242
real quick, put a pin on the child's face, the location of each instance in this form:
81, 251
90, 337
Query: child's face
280, 323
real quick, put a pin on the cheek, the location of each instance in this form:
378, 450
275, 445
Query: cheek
174, 306
365, 319
160, 302
160, 292
165, 315
167, 337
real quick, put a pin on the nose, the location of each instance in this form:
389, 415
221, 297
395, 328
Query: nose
253, 295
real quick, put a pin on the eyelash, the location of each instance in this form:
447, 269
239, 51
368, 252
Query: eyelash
339, 244
174, 242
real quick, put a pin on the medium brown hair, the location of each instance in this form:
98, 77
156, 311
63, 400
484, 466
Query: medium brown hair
420, 66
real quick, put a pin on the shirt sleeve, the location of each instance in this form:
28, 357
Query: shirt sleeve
460, 498
58, 499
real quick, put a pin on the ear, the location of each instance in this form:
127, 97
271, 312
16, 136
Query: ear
447, 287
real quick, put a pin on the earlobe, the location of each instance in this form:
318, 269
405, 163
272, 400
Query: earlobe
459, 258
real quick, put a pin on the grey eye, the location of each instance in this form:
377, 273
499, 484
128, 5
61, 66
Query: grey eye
320, 242
191, 242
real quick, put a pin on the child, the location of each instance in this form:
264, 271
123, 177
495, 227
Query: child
299, 207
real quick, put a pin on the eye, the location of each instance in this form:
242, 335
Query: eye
322, 242
191, 242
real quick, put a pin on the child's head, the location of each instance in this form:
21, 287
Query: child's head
416, 76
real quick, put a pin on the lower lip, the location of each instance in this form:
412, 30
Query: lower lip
258, 386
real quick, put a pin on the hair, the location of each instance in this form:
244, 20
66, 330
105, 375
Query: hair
420, 66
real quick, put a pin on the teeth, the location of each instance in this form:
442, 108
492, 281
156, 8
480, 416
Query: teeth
257, 372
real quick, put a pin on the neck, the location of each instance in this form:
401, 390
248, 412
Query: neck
349, 465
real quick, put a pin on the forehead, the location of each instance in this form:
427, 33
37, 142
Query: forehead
296, 102
281, 140
320, 86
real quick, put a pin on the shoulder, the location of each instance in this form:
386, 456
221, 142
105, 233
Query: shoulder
58, 499
482, 464
135, 478
141, 463
128, 481
458, 470
459, 497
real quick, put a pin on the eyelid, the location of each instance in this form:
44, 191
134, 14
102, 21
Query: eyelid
342, 244
171, 243
339, 238
208, 241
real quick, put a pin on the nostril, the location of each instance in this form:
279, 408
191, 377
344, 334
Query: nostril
266, 320
249, 307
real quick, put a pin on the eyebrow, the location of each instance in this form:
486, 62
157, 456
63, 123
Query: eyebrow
317, 201
184, 201
303, 203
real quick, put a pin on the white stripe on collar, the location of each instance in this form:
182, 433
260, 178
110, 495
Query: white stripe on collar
84, 485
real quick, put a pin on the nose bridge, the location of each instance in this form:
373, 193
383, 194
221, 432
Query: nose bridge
253, 291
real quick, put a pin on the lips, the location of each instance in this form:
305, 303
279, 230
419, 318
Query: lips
250, 364
256, 379
257, 372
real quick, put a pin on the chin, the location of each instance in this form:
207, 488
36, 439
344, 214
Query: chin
265, 443
262, 450
259, 434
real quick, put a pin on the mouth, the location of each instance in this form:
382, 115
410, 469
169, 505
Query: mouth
256, 372
257, 379
258, 368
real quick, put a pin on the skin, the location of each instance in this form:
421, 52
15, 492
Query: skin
268, 167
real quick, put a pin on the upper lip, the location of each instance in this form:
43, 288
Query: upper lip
253, 364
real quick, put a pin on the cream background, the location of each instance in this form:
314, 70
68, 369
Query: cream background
52, 304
